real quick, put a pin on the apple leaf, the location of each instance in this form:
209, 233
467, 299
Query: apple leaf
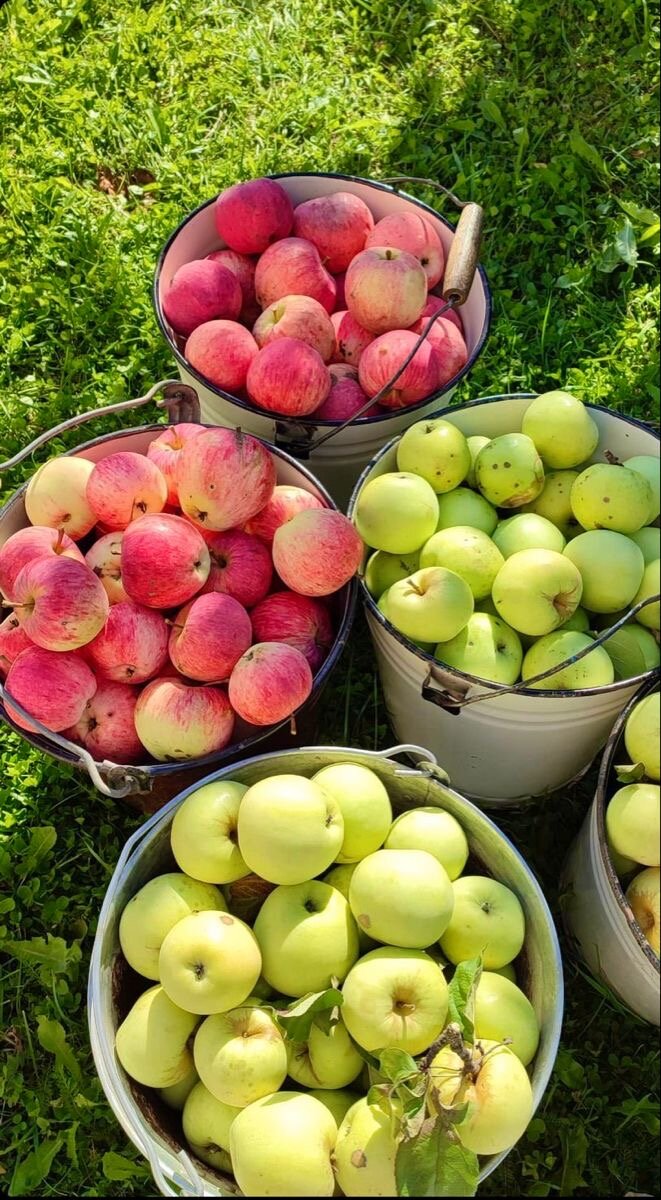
461, 995
434, 1163
630, 772
296, 1021
397, 1066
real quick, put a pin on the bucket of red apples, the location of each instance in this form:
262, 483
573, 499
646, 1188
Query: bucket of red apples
173, 593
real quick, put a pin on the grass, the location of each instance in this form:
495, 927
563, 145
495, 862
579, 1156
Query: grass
115, 119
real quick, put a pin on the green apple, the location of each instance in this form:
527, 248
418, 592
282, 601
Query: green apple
206, 1123
509, 471
328, 1059
579, 621
307, 937
649, 540
561, 428
632, 651
395, 998
289, 829
383, 569
475, 444
611, 568
633, 822
282, 1145
396, 512
203, 833
594, 671
176, 1094
527, 531
554, 501
436, 450
155, 909
402, 897
621, 865
209, 962
433, 830
382, 605
240, 1055
366, 1149
486, 648
536, 591
364, 804
464, 507
650, 616
152, 1042
470, 553
487, 920
340, 878
497, 1095
338, 1101
502, 1011
611, 497
431, 605
641, 735
643, 896
648, 466
507, 972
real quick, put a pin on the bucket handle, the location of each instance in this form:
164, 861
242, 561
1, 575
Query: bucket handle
452, 701
179, 399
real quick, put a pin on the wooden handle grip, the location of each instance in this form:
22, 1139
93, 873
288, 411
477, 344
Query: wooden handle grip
463, 256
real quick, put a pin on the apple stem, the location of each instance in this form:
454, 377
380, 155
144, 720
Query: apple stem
292, 726
60, 538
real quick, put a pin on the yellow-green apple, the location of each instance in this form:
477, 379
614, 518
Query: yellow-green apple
554, 501
288, 376
621, 865
269, 682
464, 507
437, 451
243, 267
432, 605
385, 288
251, 215
298, 317
133, 645
475, 444
222, 351
593, 671
447, 342
241, 566
509, 471
611, 567
206, 1123
52, 685
299, 621
402, 897
396, 512
649, 540
56, 496
26, 545
165, 561
606, 496
13, 640
384, 357
364, 804
469, 552
176, 1095
395, 998
648, 466
317, 552
497, 1093
105, 559
383, 569
486, 647
502, 1011
153, 1041
178, 720
285, 811
204, 836
346, 397
633, 820
643, 896
632, 651
337, 225
433, 830
155, 910
125, 486
208, 637
165, 452
650, 616
285, 502
411, 232
307, 937
340, 878
209, 962
240, 1055
536, 591
527, 531
507, 972
293, 267
350, 338
60, 602
338, 1101
487, 920
107, 727
328, 1059
561, 428
366, 1149
282, 1145
579, 621
225, 477
201, 291
641, 735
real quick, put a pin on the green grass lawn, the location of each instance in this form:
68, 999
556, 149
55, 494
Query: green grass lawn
115, 119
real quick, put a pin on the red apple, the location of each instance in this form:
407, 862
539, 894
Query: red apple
105, 559
60, 603
222, 351
56, 496
297, 621
340, 298
165, 450
165, 561
201, 291
209, 636
385, 355
293, 267
13, 640
288, 377
52, 686
133, 645
177, 720
251, 215
269, 683
346, 396
411, 232
244, 268
298, 317
385, 289
124, 486
449, 346
225, 477
36, 541
350, 338
106, 727
434, 303
241, 566
337, 225
317, 552
285, 502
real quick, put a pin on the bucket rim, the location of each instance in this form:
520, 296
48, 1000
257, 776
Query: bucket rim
309, 421
370, 604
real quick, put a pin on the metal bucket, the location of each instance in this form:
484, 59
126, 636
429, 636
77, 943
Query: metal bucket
595, 909
147, 786
112, 988
500, 746
339, 460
